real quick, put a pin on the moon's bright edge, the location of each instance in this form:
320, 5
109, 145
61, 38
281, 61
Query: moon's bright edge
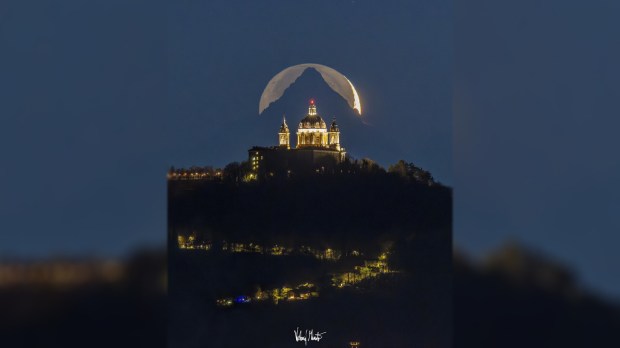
356, 103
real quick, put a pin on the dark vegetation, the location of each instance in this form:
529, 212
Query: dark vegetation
356, 206
127, 312
360, 205
519, 298
516, 298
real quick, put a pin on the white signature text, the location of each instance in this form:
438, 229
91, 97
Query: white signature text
307, 335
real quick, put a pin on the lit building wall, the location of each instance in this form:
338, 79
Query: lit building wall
316, 149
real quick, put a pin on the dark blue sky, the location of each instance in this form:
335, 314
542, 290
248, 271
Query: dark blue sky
536, 131
221, 56
98, 98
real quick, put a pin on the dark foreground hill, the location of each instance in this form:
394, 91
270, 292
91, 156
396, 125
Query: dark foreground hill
495, 305
341, 211
520, 298
385, 237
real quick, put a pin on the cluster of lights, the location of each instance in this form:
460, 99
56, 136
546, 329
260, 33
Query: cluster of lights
301, 292
195, 174
370, 269
250, 177
328, 254
255, 159
189, 243
242, 248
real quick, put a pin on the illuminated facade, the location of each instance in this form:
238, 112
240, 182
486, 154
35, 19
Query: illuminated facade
312, 131
317, 148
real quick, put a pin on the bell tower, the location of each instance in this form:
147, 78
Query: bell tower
334, 136
284, 135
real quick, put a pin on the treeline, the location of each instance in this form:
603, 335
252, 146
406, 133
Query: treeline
240, 172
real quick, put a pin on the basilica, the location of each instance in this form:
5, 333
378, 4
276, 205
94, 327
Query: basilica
317, 148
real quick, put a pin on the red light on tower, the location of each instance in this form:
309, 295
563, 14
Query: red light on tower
312, 101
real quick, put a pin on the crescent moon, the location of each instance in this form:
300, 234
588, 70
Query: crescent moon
284, 79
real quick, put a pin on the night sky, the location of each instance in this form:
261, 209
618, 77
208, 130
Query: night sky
99, 98
536, 131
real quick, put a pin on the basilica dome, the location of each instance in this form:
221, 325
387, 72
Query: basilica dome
312, 122
312, 119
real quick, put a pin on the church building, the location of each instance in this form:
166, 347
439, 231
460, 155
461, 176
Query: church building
317, 148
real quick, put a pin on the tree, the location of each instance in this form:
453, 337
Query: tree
412, 172
232, 172
401, 168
